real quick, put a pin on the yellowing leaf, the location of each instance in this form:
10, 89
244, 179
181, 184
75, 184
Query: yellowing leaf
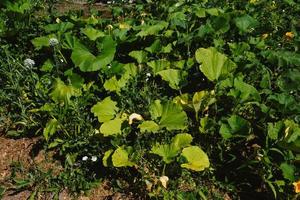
197, 159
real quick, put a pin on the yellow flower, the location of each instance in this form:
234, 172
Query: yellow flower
297, 186
289, 35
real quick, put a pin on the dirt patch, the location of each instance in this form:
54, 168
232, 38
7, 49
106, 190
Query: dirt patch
14, 151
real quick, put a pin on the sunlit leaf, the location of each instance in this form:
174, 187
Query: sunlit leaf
50, 129
196, 158
112, 127
92, 33
120, 158
173, 117
148, 126
105, 110
172, 76
62, 93
140, 56
214, 64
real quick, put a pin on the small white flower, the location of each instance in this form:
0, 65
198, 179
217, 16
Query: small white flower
148, 74
29, 63
135, 116
109, 66
53, 42
85, 158
94, 158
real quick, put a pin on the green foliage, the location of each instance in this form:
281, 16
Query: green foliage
214, 64
105, 110
196, 158
241, 105
120, 158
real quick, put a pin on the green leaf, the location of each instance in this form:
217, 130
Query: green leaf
40, 42
235, 125
120, 158
148, 126
288, 171
87, 62
47, 66
198, 100
165, 151
107, 154
244, 91
173, 117
159, 65
152, 29
62, 93
181, 140
140, 56
246, 23
112, 85
92, 33
274, 129
105, 110
155, 47
156, 109
112, 127
59, 27
214, 64
196, 158
172, 76
50, 129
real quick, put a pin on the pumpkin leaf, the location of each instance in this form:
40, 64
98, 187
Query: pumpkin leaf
105, 110
62, 93
140, 56
172, 76
112, 127
148, 126
120, 158
196, 158
173, 117
92, 33
214, 64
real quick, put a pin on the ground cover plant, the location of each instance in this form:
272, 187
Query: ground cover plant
166, 99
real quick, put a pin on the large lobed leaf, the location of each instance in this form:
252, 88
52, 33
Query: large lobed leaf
214, 64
